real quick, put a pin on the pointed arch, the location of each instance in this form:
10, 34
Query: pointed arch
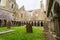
56, 7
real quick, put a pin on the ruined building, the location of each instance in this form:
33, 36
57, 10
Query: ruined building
7, 11
53, 19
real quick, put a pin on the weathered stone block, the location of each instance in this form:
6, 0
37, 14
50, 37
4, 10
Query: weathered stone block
8, 24
29, 28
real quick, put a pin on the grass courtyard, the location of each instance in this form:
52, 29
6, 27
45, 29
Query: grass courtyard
21, 34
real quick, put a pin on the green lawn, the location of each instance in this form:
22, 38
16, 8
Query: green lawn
3, 29
21, 34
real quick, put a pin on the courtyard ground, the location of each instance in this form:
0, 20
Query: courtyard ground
21, 34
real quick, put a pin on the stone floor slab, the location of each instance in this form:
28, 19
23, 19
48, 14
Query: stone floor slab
6, 31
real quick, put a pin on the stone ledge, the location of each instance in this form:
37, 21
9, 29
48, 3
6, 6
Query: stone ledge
6, 31
57, 37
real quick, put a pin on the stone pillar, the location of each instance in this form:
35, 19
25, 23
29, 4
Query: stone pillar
57, 28
30, 22
39, 23
36, 23
52, 26
18, 23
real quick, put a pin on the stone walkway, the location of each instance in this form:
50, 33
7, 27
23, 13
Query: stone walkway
6, 31
49, 37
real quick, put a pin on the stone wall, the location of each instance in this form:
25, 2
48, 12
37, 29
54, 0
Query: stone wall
54, 21
5, 14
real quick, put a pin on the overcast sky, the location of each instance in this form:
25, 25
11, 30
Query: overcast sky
29, 4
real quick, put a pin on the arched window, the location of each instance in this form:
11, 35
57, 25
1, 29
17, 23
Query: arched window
21, 15
56, 7
12, 6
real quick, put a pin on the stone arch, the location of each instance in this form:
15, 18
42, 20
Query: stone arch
57, 8
5, 23
0, 22
57, 18
8, 24
41, 23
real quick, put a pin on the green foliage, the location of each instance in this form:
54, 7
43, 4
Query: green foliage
21, 34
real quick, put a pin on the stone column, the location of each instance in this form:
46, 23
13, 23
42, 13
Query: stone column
57, 27
39, 23
36, 23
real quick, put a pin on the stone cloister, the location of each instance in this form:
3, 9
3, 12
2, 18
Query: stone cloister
53, 19
51, 23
